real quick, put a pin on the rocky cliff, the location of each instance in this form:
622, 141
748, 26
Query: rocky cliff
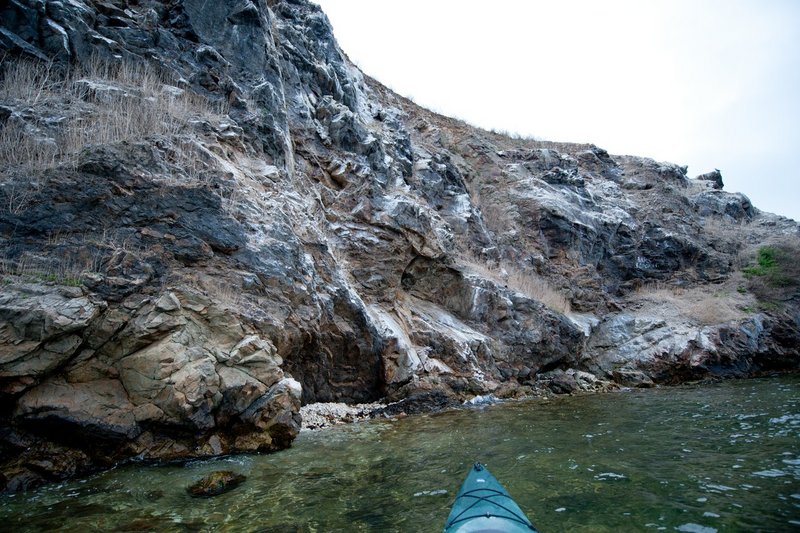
209, 216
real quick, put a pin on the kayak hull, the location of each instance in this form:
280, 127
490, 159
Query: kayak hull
491, 524
484, 506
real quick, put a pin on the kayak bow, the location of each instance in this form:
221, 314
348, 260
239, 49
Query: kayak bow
484, 506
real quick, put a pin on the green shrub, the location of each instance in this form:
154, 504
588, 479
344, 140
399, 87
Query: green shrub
776, 274
766, 258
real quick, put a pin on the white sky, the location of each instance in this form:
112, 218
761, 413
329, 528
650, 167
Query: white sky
705, 83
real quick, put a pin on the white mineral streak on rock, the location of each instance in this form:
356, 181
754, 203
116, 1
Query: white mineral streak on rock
462, 335
586, 322
401, 358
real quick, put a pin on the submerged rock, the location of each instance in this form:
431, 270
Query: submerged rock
216, 483
419, 402
483, 400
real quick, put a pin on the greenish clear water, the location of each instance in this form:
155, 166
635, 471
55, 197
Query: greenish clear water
721, 457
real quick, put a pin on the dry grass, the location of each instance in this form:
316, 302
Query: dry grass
66, 268
133, 101
726, 233
19, 149
706, 305
66, 259
101, 103
30, 81
537, 288
524, 282
21, 155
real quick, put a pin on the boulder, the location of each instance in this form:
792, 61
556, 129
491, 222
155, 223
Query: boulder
215, 483
41, 328
715, 177
98, 410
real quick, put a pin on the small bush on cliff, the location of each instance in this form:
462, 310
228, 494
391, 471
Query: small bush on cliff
766, 263
776, 274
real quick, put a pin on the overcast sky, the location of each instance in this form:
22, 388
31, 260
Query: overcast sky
705, 83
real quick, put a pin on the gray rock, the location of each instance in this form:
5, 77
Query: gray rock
40, 330
632, 378
715, 177
215, 483
735, 206
99, 410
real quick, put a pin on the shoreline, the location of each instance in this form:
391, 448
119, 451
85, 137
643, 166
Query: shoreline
323, 415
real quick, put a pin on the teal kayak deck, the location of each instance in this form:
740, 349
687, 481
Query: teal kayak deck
484, 506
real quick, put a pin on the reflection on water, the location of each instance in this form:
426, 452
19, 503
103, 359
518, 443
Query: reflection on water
723, 457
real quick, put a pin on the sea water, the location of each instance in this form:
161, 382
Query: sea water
704, 458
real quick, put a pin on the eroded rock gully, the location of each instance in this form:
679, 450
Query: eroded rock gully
285, 230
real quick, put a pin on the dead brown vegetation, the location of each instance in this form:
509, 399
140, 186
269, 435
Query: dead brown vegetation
100, 103
535, 287
705, 305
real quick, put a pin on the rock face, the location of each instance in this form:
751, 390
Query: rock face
161, 377
268, 225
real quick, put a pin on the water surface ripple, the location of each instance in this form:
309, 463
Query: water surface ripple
720, 457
